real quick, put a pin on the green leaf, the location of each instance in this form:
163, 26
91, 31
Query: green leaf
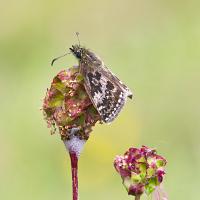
136, 178
58, 85
150, 172
160, 163
143, 169
56, 101
81, 120
142, 159
150, 187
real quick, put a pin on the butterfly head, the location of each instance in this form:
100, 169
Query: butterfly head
77, 51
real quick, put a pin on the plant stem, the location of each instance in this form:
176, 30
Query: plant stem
137, 197
74, 168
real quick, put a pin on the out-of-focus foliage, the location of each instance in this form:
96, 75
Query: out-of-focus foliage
153, 46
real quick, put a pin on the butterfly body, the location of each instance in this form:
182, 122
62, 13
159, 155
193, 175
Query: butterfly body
107, 93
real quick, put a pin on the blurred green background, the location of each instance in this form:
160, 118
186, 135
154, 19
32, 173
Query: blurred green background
153, 46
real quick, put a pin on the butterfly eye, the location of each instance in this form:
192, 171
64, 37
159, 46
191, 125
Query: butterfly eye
78, 54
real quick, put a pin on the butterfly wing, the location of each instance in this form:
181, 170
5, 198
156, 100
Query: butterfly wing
107, 93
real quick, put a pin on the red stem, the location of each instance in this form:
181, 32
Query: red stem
74, 168
137, 197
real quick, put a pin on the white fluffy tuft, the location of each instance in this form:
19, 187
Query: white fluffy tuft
74, 144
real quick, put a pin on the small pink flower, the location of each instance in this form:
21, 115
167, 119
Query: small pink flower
141, 169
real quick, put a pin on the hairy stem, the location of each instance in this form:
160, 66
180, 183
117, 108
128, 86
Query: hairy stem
74, 168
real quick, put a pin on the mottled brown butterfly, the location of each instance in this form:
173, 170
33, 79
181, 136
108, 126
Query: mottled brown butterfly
107, 93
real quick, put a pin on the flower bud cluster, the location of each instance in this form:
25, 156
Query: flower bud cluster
68, 107
141, 170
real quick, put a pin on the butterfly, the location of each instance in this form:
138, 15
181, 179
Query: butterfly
107, 93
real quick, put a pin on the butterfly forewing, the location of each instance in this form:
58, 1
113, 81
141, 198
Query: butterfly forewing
105, 90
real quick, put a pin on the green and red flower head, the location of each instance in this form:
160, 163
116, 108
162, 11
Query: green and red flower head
67, 107
141, 169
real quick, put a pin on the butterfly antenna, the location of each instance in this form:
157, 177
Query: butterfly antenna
52, 62
77, 35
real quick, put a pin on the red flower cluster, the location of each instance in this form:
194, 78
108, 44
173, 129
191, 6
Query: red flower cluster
141, 169
67, 105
